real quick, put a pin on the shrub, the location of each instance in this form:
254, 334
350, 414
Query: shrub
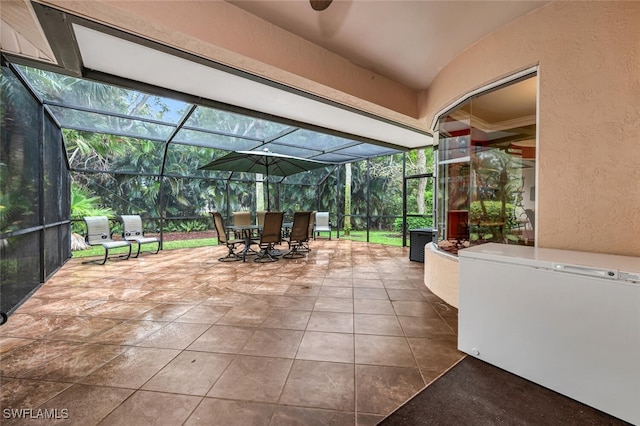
413, 223
491, 233
493, 213
84, 204
177, 225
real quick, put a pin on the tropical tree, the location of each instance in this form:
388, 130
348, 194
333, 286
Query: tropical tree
83, 203
496, 183
385, 186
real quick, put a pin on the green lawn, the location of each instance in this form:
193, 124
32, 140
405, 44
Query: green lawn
167, 245
378, 237
389, 238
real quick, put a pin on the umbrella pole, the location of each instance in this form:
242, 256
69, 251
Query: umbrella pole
268, 206
268, 199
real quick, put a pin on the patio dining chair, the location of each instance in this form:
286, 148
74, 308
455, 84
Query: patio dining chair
260, 217
99, 234
531, 217
223, 238
270, 235
312, 223
132, 232
241, 218
323, 224
299, 235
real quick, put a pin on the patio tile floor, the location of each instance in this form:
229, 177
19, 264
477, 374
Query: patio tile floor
343, 336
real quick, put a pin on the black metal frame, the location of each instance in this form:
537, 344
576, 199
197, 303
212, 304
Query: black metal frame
47, 216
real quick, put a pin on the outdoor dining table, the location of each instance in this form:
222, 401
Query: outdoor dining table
247, 234
249, 238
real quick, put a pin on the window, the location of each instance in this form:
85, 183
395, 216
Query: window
487, 168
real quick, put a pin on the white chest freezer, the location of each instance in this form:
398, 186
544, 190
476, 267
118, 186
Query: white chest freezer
567, 320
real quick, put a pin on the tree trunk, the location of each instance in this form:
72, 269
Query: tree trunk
347, 199
78, 243
422, 184
259, 192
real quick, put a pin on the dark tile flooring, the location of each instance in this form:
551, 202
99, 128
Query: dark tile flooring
343, 336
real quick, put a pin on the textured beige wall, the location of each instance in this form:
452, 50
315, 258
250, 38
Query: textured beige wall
589, 116
219, 31
441, 274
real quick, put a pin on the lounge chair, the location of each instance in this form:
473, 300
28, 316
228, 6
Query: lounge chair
299, 235
99, 234
270, 235
323, 224
132, 232
223, 238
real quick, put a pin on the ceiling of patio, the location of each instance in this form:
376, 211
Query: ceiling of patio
408, 41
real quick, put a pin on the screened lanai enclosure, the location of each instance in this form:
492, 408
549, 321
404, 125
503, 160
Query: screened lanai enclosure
72, 147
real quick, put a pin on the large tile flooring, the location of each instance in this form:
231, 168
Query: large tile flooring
342, 337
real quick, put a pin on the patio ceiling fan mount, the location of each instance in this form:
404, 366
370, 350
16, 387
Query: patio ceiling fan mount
320, 5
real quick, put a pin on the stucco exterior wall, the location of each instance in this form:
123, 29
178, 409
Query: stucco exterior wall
441, 274
588, 55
